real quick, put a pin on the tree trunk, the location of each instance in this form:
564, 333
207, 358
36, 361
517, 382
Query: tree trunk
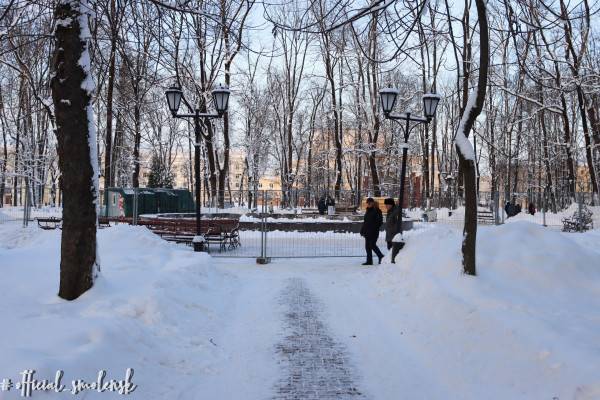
108, 173
464, 149
588, 141
77, 150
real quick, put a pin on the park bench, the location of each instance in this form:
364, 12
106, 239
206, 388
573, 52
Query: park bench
345, 209
103, 222
226, 233
580, 221
49, 223
429, 216
485, 217
223, 232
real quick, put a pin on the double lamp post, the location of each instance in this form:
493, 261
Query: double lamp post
220, 97
389, 97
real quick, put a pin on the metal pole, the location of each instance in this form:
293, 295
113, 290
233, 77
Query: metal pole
544, 205
135, 206
198, 246
496, 208
396, 246
580, 212
402, 174
26, 204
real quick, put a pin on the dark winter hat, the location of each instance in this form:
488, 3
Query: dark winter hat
389, 201
370, 200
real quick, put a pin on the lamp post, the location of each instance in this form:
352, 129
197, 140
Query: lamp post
389, 97
220, 97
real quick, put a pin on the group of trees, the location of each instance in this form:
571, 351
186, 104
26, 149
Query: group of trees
305, 78
539, 134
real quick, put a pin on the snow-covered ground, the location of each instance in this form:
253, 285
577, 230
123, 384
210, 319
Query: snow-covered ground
553, 220
9, 214
196, 327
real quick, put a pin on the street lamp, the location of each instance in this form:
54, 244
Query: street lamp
389, 97
220, 96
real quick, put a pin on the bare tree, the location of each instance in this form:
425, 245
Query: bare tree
72, 88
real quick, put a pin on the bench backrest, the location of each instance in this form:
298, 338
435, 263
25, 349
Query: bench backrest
181, 225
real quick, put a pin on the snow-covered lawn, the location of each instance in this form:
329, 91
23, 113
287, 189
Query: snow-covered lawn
194, 327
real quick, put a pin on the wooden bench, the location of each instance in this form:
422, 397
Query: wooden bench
485, 217
103, 222
345, 209
49, 223
224, 232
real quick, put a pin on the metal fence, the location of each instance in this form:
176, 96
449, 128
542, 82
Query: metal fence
270, 242
28, 204
276, 224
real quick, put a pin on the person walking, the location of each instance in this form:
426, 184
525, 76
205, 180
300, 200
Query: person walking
322, 206
391, 220
372, 221
330, 205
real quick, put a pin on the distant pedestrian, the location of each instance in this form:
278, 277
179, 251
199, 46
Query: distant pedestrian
531, 208
510, 209
370, 230
330, 205
330, 201
322, 206
391, 220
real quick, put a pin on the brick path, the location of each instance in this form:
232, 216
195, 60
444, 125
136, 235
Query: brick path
317, 366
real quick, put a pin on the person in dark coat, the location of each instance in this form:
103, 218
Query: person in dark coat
531, 208
322, 206
508, 209
391, 220
370, 230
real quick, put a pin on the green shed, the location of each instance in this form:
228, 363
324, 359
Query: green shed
120, 201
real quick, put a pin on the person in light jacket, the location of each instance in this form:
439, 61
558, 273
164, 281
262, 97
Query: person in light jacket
391, 220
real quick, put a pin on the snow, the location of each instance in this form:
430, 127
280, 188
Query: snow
155, 308
65, 22
465, 147
86, 12
192, 326
304, 220
199, 239
398, 238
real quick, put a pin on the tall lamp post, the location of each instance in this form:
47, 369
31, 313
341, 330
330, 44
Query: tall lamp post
220, 97
389, 97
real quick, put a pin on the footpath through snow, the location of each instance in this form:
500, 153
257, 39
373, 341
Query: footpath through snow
192, 327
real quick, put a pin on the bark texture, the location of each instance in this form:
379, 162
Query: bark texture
71, 101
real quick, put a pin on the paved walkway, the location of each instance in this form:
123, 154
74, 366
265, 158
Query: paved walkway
316, 366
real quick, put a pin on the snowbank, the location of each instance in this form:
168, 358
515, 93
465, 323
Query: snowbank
527, 326
193, 327
155, 308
